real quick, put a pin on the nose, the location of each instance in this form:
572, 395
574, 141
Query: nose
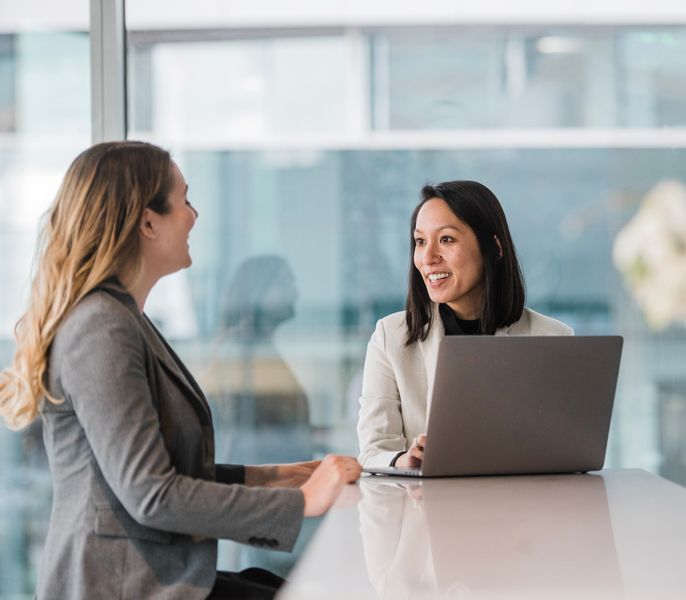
431, 253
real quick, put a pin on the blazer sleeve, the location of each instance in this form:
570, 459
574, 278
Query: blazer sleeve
229, 473
100, 366
380, 428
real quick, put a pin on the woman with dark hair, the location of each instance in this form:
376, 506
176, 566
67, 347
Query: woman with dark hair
464, 280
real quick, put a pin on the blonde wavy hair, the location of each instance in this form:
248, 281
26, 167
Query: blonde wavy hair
90, 234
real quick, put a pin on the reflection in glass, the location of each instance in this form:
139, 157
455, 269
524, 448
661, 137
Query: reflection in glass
256, 396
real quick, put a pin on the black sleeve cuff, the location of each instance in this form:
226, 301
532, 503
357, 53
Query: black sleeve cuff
396, 457
229, 474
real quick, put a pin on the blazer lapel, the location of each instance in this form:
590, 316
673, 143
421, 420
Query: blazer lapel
429, 350
173, 364
163, 353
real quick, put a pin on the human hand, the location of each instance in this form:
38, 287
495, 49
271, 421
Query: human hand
296, 474
327, 482
290, 475
415, 455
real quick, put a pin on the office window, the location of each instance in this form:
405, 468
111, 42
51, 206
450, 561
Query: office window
305, 144
44, 123
470, 77
305, 148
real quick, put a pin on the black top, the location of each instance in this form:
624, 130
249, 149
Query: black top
453, 325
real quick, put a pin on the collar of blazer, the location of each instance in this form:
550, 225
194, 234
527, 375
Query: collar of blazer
164, 354
429, 350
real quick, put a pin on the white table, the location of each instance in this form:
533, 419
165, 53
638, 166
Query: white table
613, 534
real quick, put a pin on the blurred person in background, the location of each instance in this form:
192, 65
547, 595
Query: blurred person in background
256, 395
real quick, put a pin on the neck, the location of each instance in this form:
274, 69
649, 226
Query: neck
467, 311
468, 307
138, 284
465, 314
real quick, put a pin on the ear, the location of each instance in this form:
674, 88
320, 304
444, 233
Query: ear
500, 248
148, 227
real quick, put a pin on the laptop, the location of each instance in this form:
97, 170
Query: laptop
508, 405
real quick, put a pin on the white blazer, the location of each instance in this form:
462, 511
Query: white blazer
397, 379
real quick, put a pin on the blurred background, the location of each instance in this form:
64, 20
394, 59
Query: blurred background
305, 131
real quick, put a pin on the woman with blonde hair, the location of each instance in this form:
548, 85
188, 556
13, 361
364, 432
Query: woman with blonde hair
138, 501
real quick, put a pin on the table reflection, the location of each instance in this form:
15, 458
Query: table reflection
482, 537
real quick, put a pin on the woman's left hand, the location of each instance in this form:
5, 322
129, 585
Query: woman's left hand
291, 475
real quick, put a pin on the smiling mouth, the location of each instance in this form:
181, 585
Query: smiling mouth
434, 277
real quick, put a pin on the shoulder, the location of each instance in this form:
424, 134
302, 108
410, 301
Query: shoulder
390, 333
394, 322
98, 306
98, 315
393, 327
534, 323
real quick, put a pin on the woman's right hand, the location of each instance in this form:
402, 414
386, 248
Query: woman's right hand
327, 481
415, 455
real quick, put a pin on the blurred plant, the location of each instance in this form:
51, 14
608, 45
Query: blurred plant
650, 251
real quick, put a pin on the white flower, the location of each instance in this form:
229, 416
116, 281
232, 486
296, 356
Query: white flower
650, 251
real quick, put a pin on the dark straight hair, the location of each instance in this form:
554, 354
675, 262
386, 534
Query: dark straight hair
503, 302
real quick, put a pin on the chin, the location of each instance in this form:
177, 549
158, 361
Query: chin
441, 298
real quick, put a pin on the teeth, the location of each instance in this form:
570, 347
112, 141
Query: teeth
437, 276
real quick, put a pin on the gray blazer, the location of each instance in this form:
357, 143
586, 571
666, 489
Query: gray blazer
138, 502
397, 379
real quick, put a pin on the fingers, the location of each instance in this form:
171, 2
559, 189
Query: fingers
419, 441
310, 464
417, 447
344, 467
416, 452
327, 481
348, 467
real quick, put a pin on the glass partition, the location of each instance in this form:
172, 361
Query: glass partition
305, 142
305, 148
44, 123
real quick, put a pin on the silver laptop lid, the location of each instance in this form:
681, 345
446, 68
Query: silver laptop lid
508, 405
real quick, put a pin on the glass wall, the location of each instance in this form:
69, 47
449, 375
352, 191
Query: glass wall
550, 77
305, 148
44, 123
305, 142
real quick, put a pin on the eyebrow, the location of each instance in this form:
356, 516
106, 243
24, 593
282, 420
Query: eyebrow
440, 228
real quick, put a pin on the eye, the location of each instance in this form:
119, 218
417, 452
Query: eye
447, 239
419, 241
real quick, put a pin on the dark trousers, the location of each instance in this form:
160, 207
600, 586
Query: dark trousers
251, 584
